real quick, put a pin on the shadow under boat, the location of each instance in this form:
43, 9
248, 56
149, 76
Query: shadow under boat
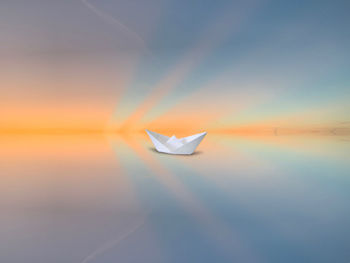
153, 149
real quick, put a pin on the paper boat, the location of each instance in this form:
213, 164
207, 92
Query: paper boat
173, 145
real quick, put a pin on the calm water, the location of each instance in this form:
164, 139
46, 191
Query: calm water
88, 198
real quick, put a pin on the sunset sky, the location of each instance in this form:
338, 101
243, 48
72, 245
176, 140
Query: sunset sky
174, 65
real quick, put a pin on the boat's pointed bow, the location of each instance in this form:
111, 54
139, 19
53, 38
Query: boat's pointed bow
158, 141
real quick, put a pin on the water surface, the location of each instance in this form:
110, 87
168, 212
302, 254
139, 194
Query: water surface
99, 198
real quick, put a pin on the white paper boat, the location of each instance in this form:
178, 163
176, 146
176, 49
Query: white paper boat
173, 145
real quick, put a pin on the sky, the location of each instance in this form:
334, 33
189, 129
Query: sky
124, 66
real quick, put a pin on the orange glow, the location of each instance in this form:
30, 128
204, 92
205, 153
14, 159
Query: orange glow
53, 118
42, 147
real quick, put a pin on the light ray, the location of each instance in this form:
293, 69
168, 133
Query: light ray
218, 32
115, 22
216, 228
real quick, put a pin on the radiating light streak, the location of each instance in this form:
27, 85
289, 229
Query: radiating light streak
216, 228
115, 242
211, 38
113, 21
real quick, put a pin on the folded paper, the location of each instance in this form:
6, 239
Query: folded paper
173, 145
